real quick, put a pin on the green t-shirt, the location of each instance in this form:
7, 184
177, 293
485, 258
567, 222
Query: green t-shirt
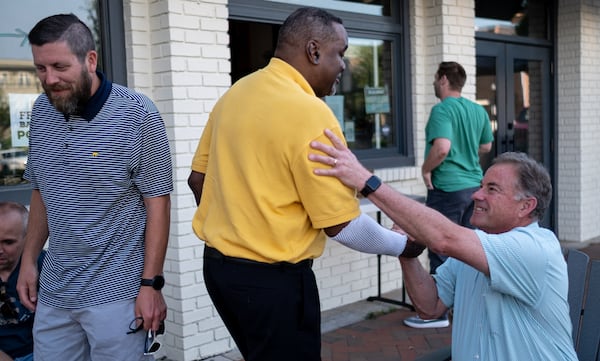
467, 125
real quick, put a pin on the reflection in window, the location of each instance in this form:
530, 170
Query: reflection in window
515, 17
364, 7
528, 118
363, 100
19, 85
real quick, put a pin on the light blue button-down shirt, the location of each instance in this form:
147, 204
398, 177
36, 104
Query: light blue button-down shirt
521, 311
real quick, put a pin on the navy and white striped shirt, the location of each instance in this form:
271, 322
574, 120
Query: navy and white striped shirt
93, 172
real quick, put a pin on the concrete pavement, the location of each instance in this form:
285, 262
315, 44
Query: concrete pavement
373, 331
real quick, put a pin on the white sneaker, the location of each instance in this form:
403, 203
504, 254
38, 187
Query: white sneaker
418, 322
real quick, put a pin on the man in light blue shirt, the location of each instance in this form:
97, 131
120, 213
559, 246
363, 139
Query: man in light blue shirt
516, 310
507, 281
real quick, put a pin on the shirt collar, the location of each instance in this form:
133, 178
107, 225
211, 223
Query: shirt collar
96, 102
281, 65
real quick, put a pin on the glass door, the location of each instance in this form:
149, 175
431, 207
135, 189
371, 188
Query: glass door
514, 85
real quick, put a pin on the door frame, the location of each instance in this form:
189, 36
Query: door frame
505, 54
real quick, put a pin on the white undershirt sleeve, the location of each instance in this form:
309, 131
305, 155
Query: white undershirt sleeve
365, 235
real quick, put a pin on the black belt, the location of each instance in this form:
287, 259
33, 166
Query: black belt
213, 253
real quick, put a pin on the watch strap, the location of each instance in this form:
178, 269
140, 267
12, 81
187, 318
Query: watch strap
157, 282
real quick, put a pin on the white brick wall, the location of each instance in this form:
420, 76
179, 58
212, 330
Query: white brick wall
590, 108
578, 71
178, 54
441, 30
568, 120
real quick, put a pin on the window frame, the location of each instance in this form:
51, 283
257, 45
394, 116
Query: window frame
393, 28
112, 40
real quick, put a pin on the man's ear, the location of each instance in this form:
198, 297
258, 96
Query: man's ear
444, 80
528, 205
312, 51
91, 61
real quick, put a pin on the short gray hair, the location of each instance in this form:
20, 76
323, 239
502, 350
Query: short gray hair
64, 27
533, 180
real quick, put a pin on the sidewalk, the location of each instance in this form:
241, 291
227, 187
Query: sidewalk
373, 331
382, 338
370, 331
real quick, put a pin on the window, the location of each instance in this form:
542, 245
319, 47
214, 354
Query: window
523, 18
369, 7
19, 85
365, 91
370, 100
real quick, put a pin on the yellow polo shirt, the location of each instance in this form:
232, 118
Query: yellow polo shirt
261, 199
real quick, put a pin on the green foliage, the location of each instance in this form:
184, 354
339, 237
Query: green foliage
5, 142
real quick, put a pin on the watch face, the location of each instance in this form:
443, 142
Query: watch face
370, 186
373, 183
158, 282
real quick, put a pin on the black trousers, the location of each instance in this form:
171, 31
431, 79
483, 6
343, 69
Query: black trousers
272, 311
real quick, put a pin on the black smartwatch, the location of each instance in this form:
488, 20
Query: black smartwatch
371, 186
158, 282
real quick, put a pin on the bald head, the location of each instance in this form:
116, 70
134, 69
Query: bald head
13, 226
303, 25
314, 41
12, 208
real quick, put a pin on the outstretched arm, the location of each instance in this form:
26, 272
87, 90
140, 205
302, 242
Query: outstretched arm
425, 224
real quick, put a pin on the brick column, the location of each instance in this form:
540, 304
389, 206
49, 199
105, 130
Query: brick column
178, 54
578, 49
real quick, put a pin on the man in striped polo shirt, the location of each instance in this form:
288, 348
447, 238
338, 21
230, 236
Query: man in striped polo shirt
100, 168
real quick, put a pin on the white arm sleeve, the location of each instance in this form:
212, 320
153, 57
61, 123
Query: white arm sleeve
365, 235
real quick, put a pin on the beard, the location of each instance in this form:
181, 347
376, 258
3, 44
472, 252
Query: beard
74, 102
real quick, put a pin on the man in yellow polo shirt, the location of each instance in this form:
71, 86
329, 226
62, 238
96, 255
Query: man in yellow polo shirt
262, 211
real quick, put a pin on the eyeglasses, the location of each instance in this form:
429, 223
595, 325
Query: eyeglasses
151, 345
8, 309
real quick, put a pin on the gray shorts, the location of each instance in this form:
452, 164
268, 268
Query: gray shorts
96, 333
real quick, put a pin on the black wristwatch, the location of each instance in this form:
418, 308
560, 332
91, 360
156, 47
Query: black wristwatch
158, 282
371, 186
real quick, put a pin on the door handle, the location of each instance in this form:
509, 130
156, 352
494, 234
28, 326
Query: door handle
508, 142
